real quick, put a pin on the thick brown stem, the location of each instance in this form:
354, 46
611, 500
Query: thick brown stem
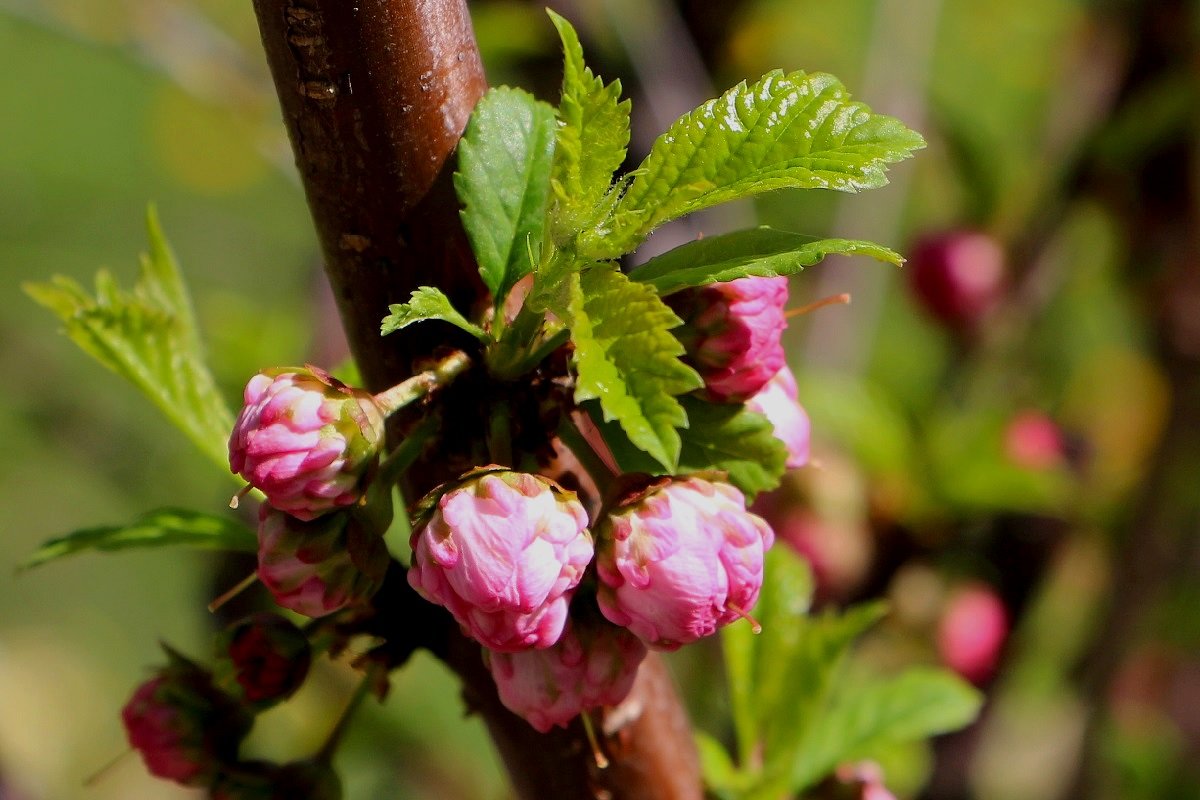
375, 94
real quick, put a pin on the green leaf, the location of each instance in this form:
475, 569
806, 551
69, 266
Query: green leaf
593, 134
733, 439
159, 528
503, 176
759, 252
916, 704
784, 131
149, 337
727, 437
626, 358
721, 775
425, 303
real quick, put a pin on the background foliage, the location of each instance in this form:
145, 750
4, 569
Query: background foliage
1047, 127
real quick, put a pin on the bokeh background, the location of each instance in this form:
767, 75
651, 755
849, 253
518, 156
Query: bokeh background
1007, 430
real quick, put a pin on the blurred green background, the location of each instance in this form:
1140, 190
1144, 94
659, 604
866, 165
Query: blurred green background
1047, 449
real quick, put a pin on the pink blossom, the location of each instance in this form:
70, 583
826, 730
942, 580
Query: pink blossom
732, 332
778, 402
503, 553
958, 276
590, 666
681, 561
305, 440
971, 632
1033, 441
318, 567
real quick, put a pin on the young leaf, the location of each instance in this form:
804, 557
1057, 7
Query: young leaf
782, 609
759, 252
159, 528
425, 303
626, 358
593, 134
784, 131
916, 704
727, 437
733, 439
502, 181
149, 337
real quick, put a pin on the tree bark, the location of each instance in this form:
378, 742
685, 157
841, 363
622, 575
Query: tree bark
375, 95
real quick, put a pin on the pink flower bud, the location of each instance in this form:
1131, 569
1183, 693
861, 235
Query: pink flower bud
183, 726
732, 333
778, 402
269, 657
958, 276
971, 632
590, 666
318, 567
503, 552
681, 561
305, 439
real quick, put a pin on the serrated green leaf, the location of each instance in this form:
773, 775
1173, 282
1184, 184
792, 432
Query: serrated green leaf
504, 161
159, 528
784, 131
759, 252
427, 303
149, 337
593, 134
626, 358
916, 704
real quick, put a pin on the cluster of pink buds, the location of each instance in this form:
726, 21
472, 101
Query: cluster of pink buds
188, 722
505, 551
308, 442
732, 333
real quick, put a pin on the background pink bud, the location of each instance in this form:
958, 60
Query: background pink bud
778, 402
1033, 441
957, 276
182, 725
305, 440
732, 332
590, 666
318, 567
681, 561
971, 632
503, 553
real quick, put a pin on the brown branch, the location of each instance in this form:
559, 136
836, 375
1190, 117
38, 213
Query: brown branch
375, 94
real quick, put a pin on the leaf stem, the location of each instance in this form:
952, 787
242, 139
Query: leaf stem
409, 391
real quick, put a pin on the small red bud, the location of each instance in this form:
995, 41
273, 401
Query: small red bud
183, 726
270, 657
957, 276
